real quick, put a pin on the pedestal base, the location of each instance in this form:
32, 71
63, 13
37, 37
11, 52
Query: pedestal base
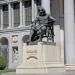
38, 58
26, 70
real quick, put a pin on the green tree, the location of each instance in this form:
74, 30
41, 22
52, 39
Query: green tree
2, 62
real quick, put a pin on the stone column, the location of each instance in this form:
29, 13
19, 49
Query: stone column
34, 10
21, 14
1, 18
69, 27
33, 16
46, 5
10, 15
62, 45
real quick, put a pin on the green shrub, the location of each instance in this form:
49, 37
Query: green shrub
2, 62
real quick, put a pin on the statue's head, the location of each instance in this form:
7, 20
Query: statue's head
42, 12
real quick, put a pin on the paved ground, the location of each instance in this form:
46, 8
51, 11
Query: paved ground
12, 73
60, 73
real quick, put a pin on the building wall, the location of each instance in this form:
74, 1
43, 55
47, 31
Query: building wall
20, 32
9, 35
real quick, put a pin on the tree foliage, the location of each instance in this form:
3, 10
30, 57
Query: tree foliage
2, 62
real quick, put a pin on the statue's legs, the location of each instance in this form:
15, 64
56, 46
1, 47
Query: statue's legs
50, 33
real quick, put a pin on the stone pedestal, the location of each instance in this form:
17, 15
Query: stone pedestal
38, 58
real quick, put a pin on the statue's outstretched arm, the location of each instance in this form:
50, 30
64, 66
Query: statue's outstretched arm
51, 18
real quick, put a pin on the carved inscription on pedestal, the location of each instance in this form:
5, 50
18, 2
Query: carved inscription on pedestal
32, 54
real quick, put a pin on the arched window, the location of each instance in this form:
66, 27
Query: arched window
4, 49
4, 41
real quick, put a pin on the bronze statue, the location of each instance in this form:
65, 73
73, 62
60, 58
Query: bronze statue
42, 27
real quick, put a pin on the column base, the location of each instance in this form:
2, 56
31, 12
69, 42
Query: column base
70, 67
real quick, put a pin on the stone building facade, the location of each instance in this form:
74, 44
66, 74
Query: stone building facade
16, 17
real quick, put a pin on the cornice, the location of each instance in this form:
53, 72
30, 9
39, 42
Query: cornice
15, 29
8, 1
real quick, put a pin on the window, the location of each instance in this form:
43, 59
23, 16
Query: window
5, 16
16, 13
28, 12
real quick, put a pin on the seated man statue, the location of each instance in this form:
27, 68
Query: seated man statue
42, 26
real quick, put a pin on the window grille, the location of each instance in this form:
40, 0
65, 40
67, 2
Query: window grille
5, 16
28, 12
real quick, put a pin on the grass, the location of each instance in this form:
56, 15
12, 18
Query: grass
7, 70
